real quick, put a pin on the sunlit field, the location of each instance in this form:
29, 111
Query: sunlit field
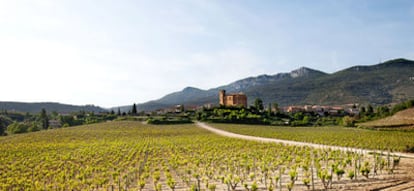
340, 136
135, 156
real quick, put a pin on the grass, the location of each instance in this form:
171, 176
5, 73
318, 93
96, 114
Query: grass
340, 136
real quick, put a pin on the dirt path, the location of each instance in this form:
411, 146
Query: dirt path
401, 180
296, 143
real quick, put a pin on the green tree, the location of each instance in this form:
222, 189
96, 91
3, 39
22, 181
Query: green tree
33, 126
119, 112
298, 116
44, 119
276, 107
4, 122
54, 115
306, 120
409, 104
348, 121
134, 109
363, 110
16, 128
258, 104
402, 106
370, 110
383, 111
269, 109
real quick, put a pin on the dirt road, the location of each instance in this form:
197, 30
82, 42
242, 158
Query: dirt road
296, 143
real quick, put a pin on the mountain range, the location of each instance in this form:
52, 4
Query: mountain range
48, 106
385, 83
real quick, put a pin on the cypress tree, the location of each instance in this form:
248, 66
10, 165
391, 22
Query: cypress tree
134, 109
44, 119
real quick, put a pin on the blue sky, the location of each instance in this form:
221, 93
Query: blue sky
112, 53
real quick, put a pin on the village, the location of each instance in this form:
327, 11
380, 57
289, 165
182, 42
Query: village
240, 100
229, 108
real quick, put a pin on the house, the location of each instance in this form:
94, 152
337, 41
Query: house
179, 108
54, 123
295, 109
237, 99
353, 111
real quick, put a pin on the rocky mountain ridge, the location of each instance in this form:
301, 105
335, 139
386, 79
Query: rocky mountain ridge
382, 83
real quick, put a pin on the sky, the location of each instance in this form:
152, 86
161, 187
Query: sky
112, 53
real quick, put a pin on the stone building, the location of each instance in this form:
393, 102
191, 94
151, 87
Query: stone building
237, 99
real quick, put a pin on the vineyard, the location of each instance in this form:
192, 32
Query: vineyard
340, 136
134, 156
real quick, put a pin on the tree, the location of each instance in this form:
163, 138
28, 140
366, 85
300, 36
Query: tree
4, 122
383, 111
119, 112
306, 120
348, 121
33, 126
2, 129
258, 104
17, 127
370, 110
409, 103
44, 119
298, 116
134, 109
67, 121
276, 107
54, 115
269, 109
362, 111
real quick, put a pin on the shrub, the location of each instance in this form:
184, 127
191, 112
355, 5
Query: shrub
4, 122
409, 149
16, 128
168, 121
348, 121
33, 127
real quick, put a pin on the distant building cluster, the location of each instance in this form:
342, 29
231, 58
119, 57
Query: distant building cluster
235, 99
322, 110
240, 100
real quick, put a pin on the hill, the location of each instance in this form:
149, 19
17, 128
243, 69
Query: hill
49, 106
388, 82
404, 119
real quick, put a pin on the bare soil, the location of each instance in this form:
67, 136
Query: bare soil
403, 119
